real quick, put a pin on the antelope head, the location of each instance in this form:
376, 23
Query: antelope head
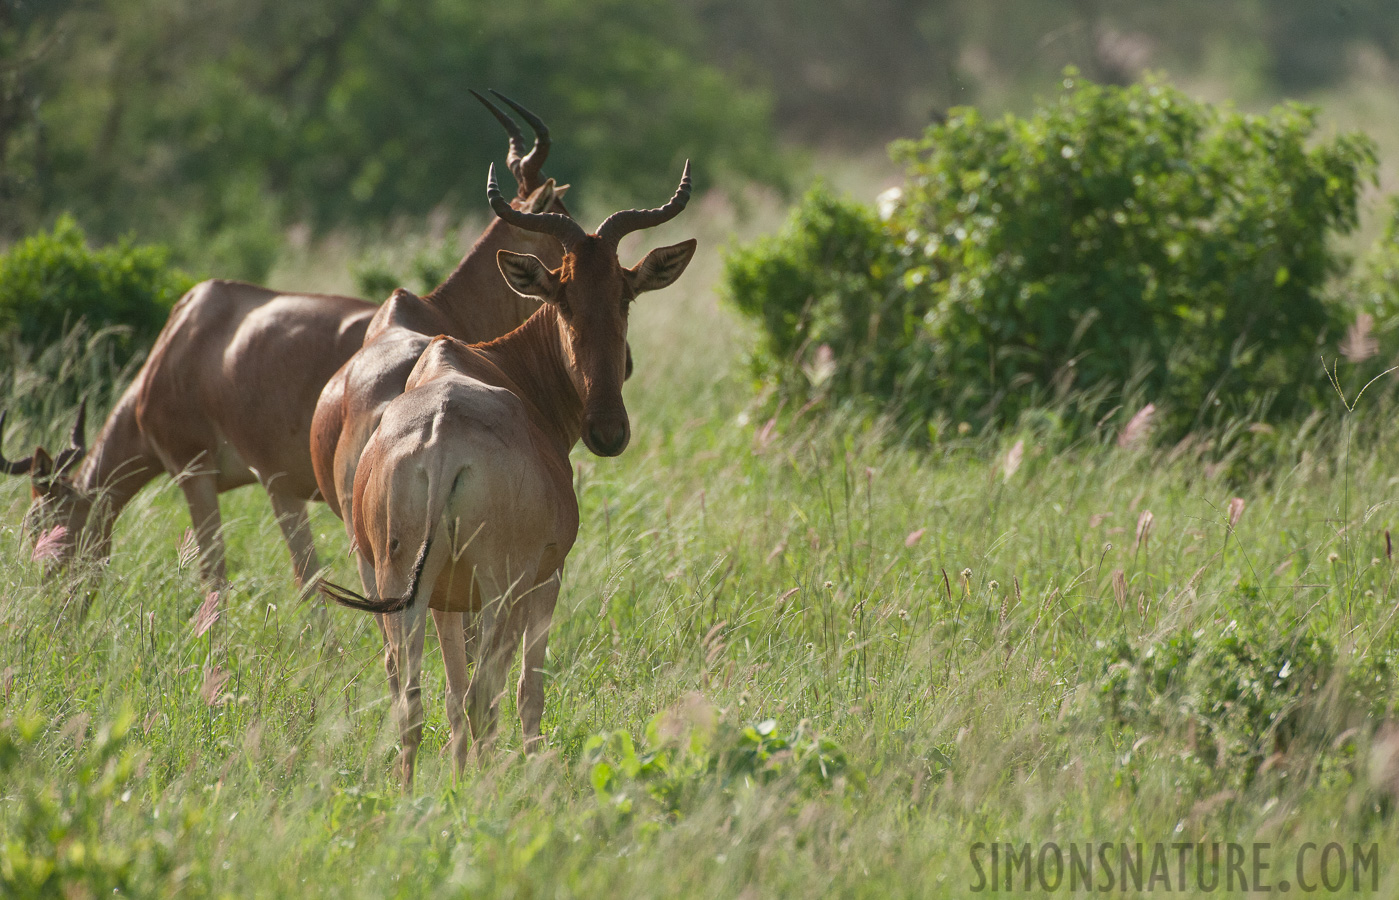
57, 501
591, 294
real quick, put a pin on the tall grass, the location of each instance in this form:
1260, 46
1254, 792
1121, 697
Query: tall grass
947, 619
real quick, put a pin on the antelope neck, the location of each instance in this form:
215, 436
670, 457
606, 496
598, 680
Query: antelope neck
534, 358
475, 295
120, 462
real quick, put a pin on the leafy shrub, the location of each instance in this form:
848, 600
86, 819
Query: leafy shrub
59, 840
51, 280
679, 761
378, 276
1240, 694
1122, 241
830, 268
1373, 291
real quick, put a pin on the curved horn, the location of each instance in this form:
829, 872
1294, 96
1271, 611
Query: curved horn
530, 164
517, 138
565, 229
77, 441
19, 466
621, 224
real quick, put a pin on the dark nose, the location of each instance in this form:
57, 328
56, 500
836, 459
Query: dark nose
608, 438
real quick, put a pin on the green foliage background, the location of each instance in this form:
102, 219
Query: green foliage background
52, 280
214, 125
1127, 244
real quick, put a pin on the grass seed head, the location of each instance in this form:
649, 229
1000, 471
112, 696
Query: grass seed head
50, 544
1144, 523
1236, 510
1138, 428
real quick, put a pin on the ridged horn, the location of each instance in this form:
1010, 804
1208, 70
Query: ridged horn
621, 224
531, 163
19, 466
77, 441
565, 229
525, 166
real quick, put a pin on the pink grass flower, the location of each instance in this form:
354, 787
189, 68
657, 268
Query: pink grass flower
1144, 523
1138, 428
1236, 511
215, 677
207, 614
1014, 457
50, 543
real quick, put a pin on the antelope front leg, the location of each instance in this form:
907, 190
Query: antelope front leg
202, 495
450, 634
538, 609
296, 529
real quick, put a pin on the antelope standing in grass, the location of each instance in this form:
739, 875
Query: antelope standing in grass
227, 395
463, 497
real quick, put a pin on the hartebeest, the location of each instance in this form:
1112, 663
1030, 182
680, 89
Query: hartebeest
463, 498
224, 399
356, 396
227, 394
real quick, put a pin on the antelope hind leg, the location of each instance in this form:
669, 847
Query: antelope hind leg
538, 613
296, 529
451, 636
501, 624
405, 631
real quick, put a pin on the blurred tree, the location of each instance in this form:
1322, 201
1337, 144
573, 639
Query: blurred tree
862, 72
211, 125
858, 72
29, 32
214, 124
1308, 40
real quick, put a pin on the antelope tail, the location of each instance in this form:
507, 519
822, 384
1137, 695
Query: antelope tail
354, 600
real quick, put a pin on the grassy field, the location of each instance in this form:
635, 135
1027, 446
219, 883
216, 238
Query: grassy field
790, 659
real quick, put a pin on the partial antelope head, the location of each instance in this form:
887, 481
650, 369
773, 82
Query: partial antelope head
534, 192
591, 293
56, 500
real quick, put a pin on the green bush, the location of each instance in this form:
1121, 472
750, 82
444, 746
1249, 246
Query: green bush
377, 276
1239, 694
679, 760
1131, 243
1374, 291
51, 280
59, 838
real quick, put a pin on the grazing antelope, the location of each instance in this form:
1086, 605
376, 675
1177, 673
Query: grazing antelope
463, 498
224, 399
227, 395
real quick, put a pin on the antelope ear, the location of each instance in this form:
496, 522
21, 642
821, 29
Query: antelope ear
661, 267
43, 465
527, 276
542, 197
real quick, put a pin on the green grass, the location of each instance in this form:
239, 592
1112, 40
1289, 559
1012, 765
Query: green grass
731, 565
